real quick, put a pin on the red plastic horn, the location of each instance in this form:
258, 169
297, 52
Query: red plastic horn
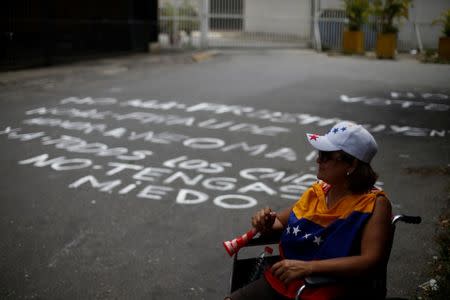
234, 245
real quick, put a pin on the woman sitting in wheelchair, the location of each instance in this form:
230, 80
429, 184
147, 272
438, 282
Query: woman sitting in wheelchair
339, 228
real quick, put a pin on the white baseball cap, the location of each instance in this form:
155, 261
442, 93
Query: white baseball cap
348, 137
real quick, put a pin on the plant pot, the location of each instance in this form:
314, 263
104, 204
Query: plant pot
386, 45
353, 42
444, 48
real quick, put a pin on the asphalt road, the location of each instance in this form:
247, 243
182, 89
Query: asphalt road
121, 177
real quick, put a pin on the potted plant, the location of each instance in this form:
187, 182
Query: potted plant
389, 11
357, 13
190, 21
167, 13
178, 18
444, 42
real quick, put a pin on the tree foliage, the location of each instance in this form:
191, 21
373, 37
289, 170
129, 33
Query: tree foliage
390, 10
185, 14
444, 20
357, 13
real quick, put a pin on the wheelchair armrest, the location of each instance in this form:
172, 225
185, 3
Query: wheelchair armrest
314, 281
406, 219
319, 280
266, 239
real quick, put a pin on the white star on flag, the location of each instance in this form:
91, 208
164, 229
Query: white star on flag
288, 230
317, 240
306, 236
296, 230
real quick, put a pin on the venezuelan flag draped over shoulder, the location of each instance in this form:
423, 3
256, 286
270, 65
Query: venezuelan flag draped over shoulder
316, 232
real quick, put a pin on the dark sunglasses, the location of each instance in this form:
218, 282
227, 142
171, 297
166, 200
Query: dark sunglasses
325, 156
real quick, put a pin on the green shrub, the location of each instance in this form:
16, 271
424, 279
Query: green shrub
444, 20
388, 11
187, 16
357, 13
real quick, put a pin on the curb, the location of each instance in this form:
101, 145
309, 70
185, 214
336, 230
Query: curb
205, 55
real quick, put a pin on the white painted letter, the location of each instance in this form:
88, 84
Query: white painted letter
183, 199
248, 201
154, 192
220, 183
204, 143
247, 172
257, 187
119, 167
104, 186
149, 174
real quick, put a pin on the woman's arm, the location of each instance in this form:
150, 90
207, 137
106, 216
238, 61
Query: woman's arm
281, 219
265, 220
375, 248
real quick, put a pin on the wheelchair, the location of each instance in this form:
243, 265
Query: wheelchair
243, 267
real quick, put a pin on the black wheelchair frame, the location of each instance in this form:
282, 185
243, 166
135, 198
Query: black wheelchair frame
242, 268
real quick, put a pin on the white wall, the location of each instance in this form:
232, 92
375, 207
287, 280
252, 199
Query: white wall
278, 16
331, 4
422, 13
424, 10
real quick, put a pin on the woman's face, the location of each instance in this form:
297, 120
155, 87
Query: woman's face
332, 169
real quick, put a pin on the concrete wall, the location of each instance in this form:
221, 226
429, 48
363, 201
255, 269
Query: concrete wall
331, 4
425, 10
423, 13
281, 16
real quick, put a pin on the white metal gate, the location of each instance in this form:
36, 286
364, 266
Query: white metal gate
235, 23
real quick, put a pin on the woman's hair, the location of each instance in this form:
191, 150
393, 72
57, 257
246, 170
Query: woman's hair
363, 178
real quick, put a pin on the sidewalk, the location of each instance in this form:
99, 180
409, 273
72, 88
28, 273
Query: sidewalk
122, 63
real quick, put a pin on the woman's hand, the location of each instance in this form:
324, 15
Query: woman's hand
288, 270
263, 220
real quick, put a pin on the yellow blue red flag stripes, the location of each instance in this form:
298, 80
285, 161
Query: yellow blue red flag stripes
306, 240
315, 231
